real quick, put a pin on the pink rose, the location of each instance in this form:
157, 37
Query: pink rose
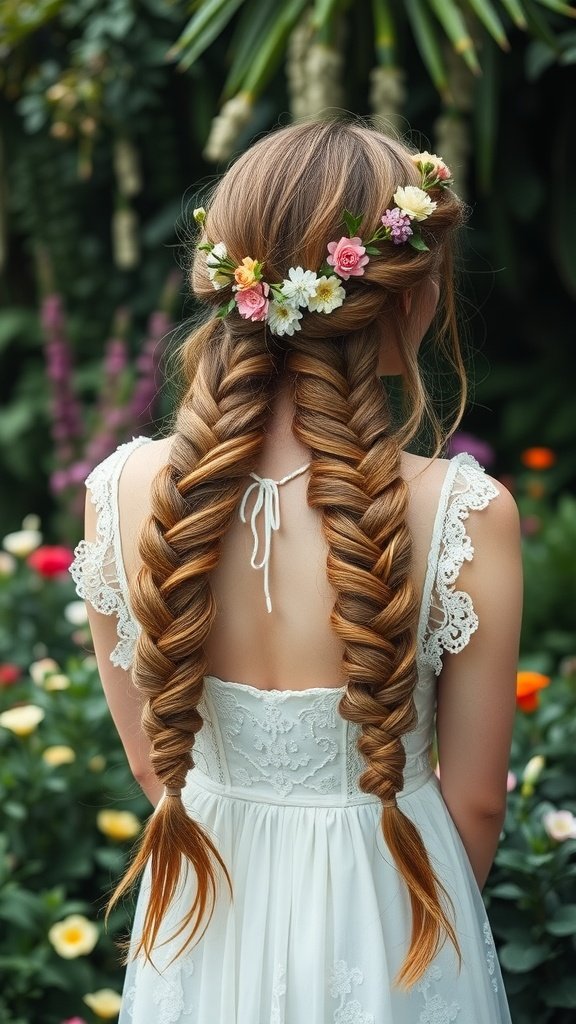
253, 302
347, 257
443, 172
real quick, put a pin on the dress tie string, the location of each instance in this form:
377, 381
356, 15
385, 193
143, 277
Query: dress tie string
268, 501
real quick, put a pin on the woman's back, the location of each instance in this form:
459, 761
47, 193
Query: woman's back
293, 646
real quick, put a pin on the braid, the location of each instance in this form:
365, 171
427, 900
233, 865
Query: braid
219, 434
342, 415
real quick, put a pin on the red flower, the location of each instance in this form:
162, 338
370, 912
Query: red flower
51, 561
527, 686
9, 674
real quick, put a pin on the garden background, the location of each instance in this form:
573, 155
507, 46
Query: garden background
115, 115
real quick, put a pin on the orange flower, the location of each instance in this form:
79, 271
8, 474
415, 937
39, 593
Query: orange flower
538, 458
527, 686
247, 273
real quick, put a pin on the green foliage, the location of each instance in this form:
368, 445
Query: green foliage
54, 860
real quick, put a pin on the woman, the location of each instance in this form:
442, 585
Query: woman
275, 679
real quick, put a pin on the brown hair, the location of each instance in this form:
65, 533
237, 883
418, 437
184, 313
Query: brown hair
281, 202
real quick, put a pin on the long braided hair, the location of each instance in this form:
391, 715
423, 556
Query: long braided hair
280, 203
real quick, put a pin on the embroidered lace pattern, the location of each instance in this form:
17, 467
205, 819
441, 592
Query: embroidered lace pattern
451, 617
278, 993
490, 955
340, 981
264, 744
168, 995
436, 1009
97, 569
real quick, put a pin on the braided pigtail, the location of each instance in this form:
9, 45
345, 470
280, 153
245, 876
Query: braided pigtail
341, 414
219, 434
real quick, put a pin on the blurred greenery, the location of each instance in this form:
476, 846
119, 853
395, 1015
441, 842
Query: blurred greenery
114, 115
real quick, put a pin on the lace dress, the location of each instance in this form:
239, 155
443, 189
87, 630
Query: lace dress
320, 922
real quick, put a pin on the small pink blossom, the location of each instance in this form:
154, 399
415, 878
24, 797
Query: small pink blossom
252, 302
74, 1020
511, 782
347, 257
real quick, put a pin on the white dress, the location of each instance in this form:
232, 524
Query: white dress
320, 922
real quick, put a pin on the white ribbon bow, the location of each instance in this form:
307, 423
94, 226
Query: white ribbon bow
268, 499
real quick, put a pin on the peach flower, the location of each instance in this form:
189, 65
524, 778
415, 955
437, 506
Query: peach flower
245, 274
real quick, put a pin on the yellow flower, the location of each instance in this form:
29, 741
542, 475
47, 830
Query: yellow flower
97, 763
22, 543
55, 756
74, 936
246, 274
40, 669
118, 824
22, 720
105, 1003
58, 681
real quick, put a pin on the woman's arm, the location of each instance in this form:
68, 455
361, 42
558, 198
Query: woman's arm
124, 700
477, 687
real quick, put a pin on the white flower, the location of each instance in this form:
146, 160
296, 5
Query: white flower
22, 543
23, 719
300, 287
213, 261
74, 936
329, 295
199, 214
40, 669
437, 165
560, 825
414, 202
283, 318
75, 613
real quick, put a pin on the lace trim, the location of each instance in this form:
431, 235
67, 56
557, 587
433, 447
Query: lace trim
451, 619
97, 569
490, 956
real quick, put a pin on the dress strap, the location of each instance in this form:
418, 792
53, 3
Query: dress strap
268, 502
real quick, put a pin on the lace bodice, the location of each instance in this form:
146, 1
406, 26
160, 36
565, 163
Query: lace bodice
293, 744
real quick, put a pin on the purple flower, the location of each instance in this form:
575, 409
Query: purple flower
399, 224
480, 450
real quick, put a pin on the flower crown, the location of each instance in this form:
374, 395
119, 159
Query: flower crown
280, 305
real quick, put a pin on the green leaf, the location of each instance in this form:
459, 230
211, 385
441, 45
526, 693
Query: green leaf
539, 26
486, 13
564, 921
417, 242
518, 958
271, 50
450, 17
353, 222
558, 7
372, 250
507, 891
428, 44
252, 26
515, 11
384, 33
202, 29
